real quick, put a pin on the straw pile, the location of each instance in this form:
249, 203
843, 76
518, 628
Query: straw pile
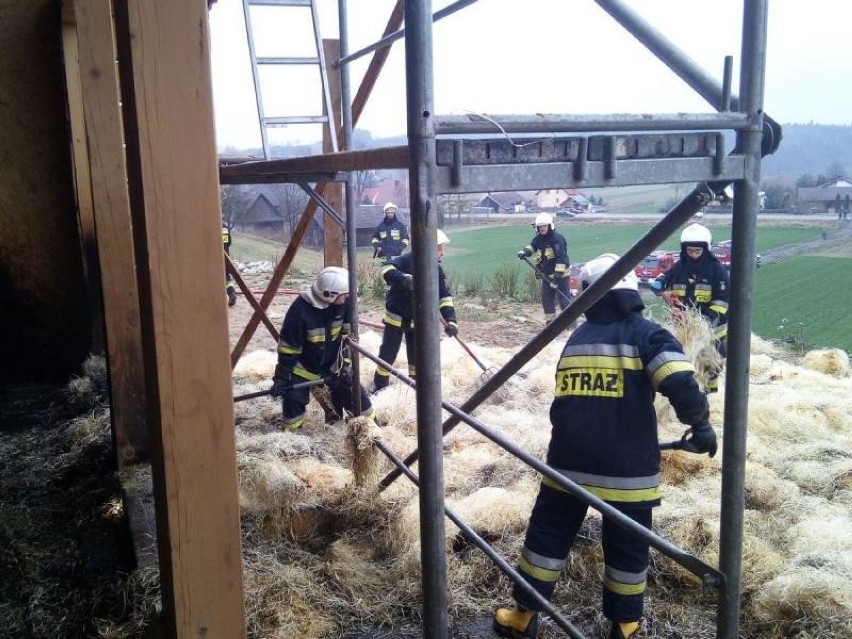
325, 552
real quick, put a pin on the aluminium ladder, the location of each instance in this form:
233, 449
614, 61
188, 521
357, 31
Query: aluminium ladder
270, 121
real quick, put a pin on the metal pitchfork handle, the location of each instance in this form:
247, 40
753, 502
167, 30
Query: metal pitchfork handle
307, 384
544, 276
465, 347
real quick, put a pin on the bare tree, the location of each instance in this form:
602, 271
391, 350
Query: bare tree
364, 180
291, 202
835, 170
235, 200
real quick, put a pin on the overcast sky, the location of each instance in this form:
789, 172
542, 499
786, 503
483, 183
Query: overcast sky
537, 56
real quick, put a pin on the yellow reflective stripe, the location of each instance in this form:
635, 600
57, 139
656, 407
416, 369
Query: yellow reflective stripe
301, 371
446, 302
624, 589
679, 289
721, 331
542, 574
393, 319
294, 423
335, 331
560, 268
529, 248
601, 361
670, 368
382, 372
716, 306
387, 268
626, 495
286, 349
412, 371
316, 339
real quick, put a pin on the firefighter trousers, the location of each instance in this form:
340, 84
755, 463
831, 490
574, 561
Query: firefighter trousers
556, 518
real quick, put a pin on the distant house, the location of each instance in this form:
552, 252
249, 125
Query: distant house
388, 190
551, 198
576, 201
822, 198
262, 216
510, 202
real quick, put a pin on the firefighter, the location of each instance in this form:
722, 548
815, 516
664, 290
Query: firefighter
604, 438
390, 238
399, 311
698, 280
310, 347
230, 289
551, 250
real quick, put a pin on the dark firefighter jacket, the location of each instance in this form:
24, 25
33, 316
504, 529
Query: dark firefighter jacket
226, 238
552, 250
390, 237
309, 342
400, 302
604, 425
702, 284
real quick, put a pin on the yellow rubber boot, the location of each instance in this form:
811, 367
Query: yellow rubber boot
515, 622
623, 630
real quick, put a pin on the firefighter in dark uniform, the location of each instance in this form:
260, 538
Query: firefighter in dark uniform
698, 280
551, 250
230, 289
310, 348
399, 311
391, 236
604, 438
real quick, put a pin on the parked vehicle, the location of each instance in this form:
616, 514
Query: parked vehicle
566, 212
654, 265
574, 278
722, 250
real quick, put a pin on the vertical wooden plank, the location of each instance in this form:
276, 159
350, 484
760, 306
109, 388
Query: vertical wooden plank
82, 182
186, 333
332, 231
101, 100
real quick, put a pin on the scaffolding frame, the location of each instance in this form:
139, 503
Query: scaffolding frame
619, 150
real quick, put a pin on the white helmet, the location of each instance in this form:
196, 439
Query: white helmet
442, 238
593, 269
696, 234
388, 206
543, 218
331, 282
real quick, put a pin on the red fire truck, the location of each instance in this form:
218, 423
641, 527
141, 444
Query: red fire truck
654, 265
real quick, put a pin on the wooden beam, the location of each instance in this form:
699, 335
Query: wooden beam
82, 178
332, 232
103, 122
172, 156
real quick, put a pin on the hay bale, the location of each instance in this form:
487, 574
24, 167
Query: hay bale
266, 483
366, 459
257, 365
831, 361
492, 512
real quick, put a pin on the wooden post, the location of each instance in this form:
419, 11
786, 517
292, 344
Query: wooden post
175, 196
103, 131
332, 231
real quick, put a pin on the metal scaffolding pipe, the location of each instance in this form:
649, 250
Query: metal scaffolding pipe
393, 37
423, 206
710, 576
743, 234
349, 197
477, 124
674, 219
684, 66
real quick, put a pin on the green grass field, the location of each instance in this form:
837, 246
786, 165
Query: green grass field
484, 250
805, 301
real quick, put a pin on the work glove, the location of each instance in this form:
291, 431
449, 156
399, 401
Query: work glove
451, 329
524, 252
406, 282
700, 439
281, 381
345, 373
